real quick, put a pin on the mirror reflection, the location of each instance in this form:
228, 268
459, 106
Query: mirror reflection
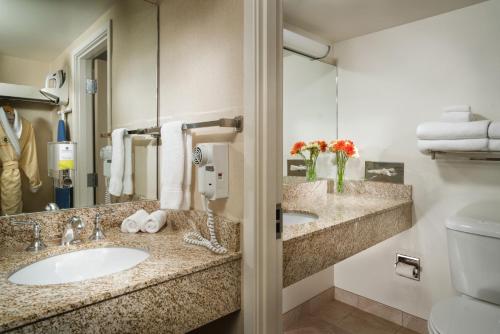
62, 93
309, 109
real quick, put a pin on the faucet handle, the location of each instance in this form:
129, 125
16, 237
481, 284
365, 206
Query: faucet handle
37, 243
77, 223
97, 233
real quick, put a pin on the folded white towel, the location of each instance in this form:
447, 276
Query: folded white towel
128, 184
426, 146
494, 130
188, 168
494, 145
457, 108
117, 162
134, 222
154, 222
172, 165
452, 131
456, 116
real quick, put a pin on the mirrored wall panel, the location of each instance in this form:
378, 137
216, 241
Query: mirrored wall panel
309, 110
72, 74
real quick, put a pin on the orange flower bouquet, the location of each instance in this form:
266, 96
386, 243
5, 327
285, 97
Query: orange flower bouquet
344, 150
309, 152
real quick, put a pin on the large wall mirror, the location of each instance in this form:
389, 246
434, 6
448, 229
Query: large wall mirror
309, 109
71, 72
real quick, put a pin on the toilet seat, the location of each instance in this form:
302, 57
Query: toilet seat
464, 315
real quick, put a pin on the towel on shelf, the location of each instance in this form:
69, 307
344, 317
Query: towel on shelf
173, 165
494, 145
457, 116
494, 130
117, 162
458, 113
154, 222
457, 108
128, 184
426, 146
453, 131
134, 222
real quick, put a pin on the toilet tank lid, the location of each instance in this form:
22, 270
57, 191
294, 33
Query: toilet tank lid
482, 218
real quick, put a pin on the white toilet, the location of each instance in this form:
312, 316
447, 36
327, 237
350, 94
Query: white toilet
474, 252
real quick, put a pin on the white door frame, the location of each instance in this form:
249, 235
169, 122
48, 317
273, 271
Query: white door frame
81, 127
262, 253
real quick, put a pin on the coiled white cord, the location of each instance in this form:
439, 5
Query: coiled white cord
107, 195
195, 238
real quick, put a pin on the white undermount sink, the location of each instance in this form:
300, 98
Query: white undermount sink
79, 265
294, 218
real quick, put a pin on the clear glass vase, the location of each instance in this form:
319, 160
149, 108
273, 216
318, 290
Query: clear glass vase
311, 172
341, 162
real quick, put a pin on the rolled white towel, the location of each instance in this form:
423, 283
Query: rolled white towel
453, 131
494, 145
457, 116
494, 130
134, 223
457, 108
426, 146
154, 222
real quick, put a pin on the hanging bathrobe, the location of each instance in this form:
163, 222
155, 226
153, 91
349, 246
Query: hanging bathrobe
17, 152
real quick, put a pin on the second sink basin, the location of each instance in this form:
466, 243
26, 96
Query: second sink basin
78, 266
293, 218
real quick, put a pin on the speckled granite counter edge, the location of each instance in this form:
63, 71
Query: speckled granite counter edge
176, 306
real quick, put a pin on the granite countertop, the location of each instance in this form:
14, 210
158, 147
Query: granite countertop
335, 209
169, 258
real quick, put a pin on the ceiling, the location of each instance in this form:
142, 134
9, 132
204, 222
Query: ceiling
42, 29
337, 20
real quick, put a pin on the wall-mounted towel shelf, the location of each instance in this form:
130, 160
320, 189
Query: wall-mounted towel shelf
466, 155
23, 93
236, 123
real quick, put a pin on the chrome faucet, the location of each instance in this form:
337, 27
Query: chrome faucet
37, 243
97, 233
72, 231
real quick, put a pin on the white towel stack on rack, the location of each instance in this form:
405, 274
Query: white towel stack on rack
494, 135
458, 132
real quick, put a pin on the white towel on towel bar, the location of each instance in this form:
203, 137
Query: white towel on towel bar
494, 145
128, 184
494, 130
426, 146
176, 167
452, 131
117, 162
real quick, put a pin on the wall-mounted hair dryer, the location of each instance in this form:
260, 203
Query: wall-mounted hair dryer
56, 87
212, 161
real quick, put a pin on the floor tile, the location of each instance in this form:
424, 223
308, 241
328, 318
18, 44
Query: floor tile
360, 322
334, 311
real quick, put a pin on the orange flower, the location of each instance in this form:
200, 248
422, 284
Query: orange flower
345, 146
297, 147
323, 146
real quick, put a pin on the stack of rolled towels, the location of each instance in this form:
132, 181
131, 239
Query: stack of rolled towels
144, 222
458, 131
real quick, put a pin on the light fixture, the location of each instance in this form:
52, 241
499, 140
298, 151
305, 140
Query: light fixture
304, 46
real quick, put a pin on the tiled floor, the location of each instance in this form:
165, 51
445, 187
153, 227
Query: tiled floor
338, 318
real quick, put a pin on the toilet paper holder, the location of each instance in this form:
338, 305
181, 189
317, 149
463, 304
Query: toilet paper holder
408, 266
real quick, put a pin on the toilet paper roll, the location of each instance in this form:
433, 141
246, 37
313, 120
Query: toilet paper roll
405, 270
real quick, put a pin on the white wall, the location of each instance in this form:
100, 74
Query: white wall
309, 106
391, 81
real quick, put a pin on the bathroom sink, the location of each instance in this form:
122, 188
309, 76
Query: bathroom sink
78, 266
294, 218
